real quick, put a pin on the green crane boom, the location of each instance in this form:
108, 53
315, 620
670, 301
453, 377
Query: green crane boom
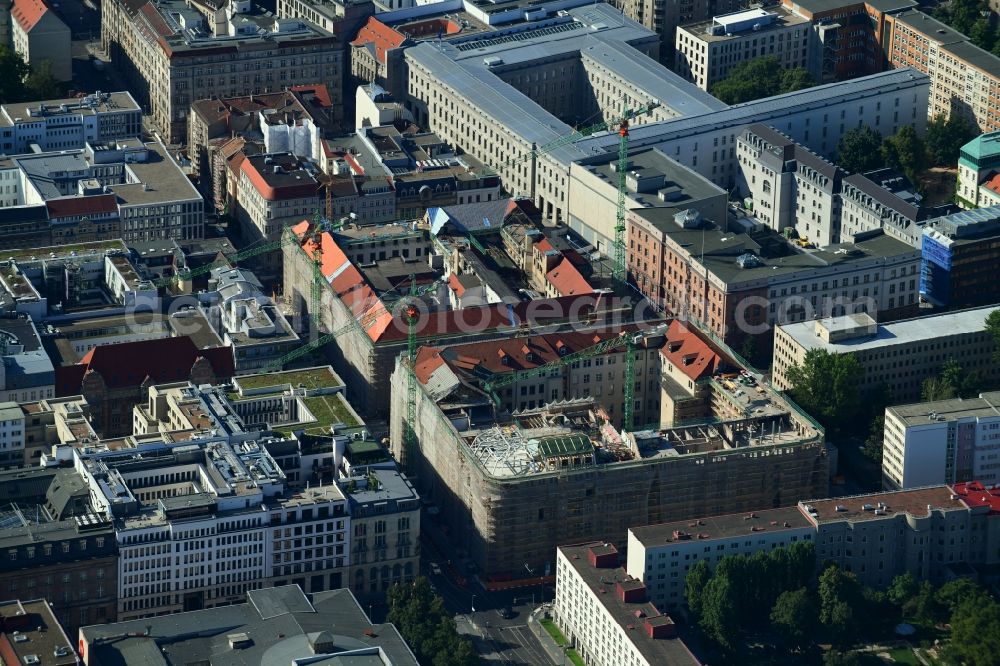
623, 339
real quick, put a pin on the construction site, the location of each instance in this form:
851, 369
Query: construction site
512, 480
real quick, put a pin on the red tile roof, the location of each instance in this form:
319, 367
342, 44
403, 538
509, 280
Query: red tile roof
321, 96
130, 363
993, 183
976, 494
428, 360
455, 285
78, 206
688, 352
567, 280
544, 245
28, 13
379, 35
279, 192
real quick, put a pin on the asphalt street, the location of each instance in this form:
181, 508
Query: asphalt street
478, 614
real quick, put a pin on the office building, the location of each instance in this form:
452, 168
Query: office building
898, 355
665, 16
247, 320
964, 78
942, 441
274, 191
239, 50
706, 51
978, 167
884, 199
113, 378
31, 633
123, 189
543, 465
40, 36
608, 615
57, 547
62, 124
739, 284
27, 373
959, 254
327, 627
790, 186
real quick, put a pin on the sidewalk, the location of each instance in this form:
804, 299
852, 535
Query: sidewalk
552, 649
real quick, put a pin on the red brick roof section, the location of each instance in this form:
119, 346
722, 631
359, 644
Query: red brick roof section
381, 36
130, 363
687, 351
276, 193
77, 206
993, 183
28, 13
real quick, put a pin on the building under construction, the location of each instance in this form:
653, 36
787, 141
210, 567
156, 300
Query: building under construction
510, 484
458, 263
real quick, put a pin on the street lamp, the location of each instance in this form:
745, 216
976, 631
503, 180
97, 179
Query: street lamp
472, 604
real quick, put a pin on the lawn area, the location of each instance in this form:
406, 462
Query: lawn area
904, 656
310, 378
554, 632
575, 658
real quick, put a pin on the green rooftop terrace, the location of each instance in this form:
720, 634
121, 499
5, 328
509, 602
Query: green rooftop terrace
61, 251
308, 378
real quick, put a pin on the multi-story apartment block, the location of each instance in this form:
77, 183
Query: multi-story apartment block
934, 532
608, 614
56, 546
123, 189
40, 36
886, 200
11, 435
341, 18
978, 166
275, 191
62, 124
965, 79
789, 185
661, 555
898, 355
235, 51
707, 51
943, 441
959, 257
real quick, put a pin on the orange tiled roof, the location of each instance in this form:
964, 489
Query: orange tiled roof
379, 35
686, 350
567, 280
28, 13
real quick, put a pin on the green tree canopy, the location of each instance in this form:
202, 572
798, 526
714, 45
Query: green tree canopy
859, 150
905, 151
946, 136
760, 77
841, 601
428, 628
794, 616
719, 614
826, 386
13, 72
975, 632
993, 328
694, 586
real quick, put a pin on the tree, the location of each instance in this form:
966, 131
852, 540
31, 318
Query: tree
981, 34
839, 596
858, 150
936, 388
719, 614
951, 595
905, 151
875, 442
794, 616
760, 77
945, 137
41, 84
904, 587
993, 328
975, 632
423, 621
694, 586
13, 71
826, 386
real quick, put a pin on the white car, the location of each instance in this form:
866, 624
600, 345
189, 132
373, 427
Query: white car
435, 568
